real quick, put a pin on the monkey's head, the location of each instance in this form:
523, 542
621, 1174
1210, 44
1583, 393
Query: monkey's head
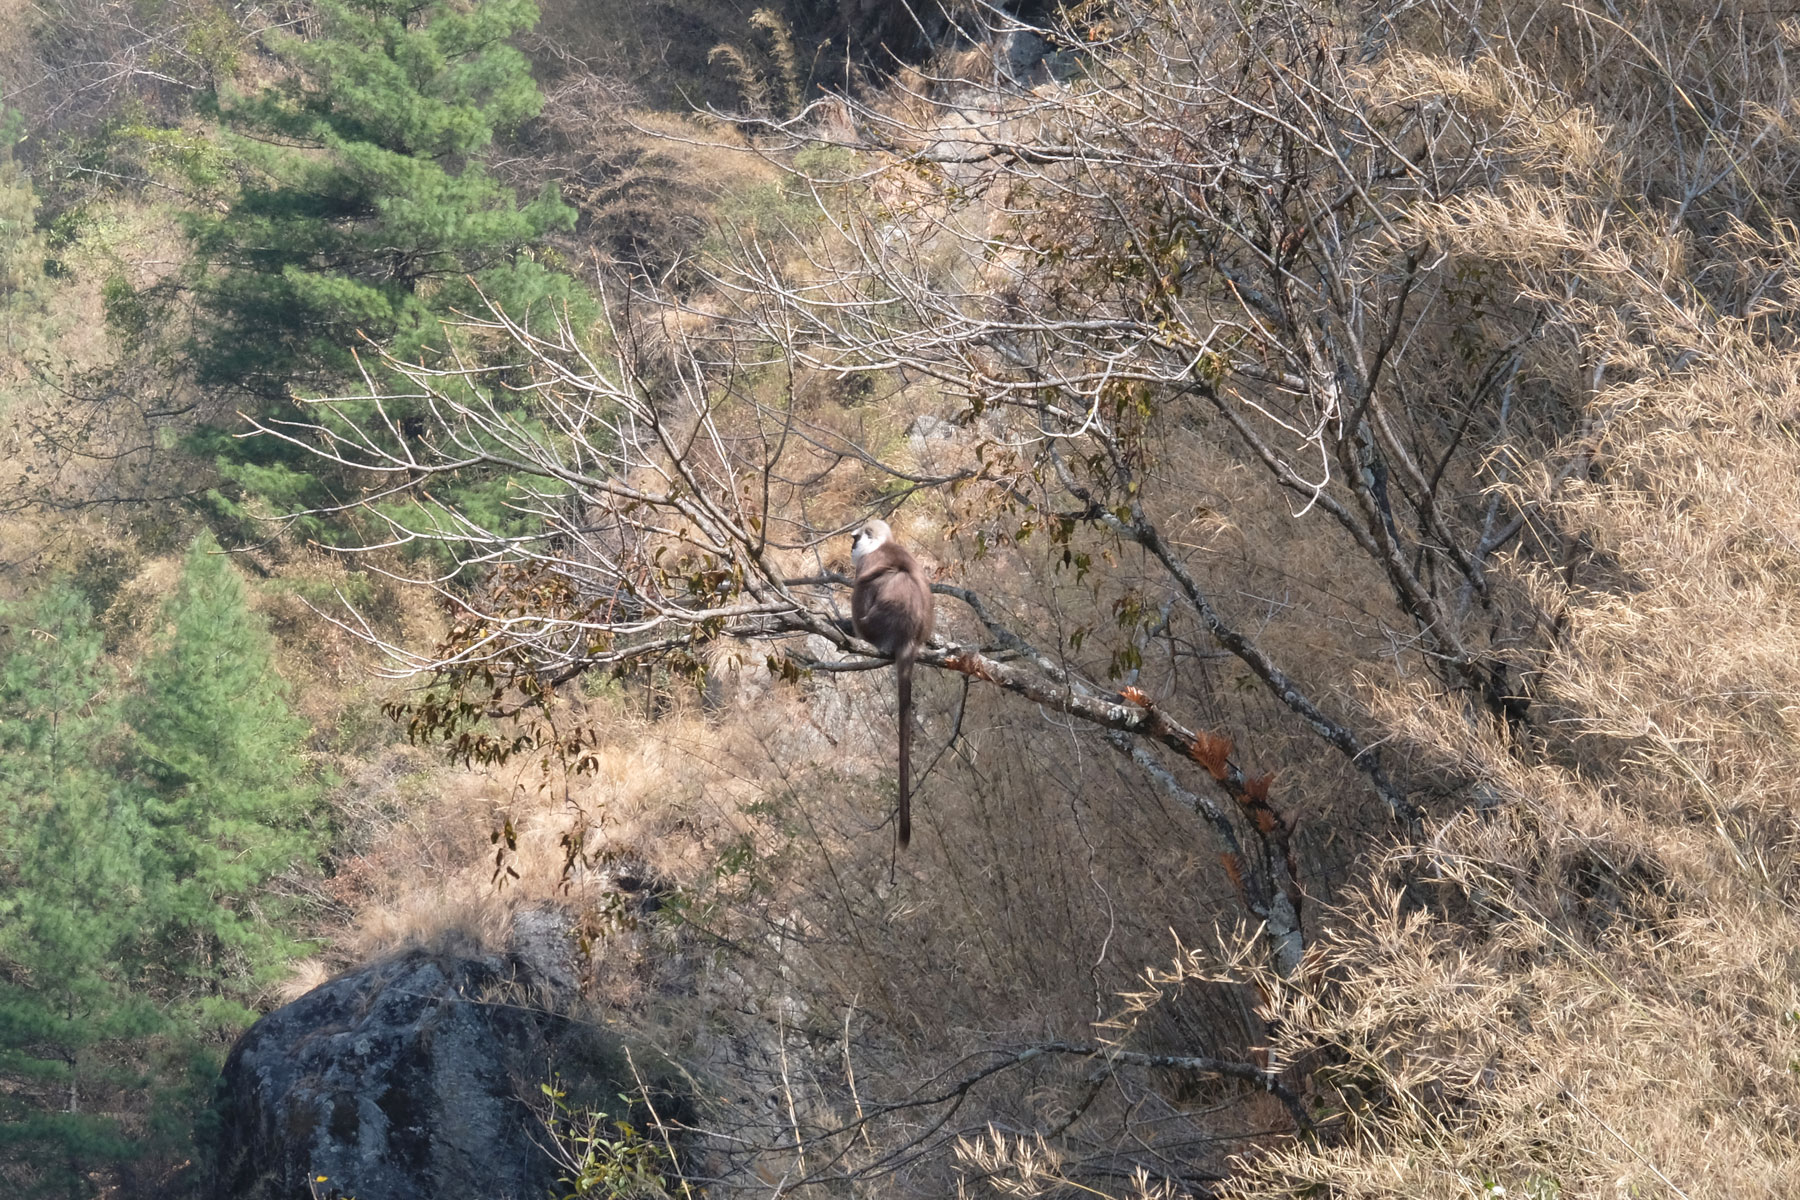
872, 534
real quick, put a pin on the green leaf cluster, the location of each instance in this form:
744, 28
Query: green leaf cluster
606, 1159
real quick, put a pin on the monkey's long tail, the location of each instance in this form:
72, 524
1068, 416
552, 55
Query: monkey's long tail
904, 666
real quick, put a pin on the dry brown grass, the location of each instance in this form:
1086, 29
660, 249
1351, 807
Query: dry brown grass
1578, 980
1044, 875
1588, 986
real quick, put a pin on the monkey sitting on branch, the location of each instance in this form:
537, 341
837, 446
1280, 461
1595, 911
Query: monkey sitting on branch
891, 608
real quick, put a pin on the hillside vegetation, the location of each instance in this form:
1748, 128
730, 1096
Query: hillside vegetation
1354, 447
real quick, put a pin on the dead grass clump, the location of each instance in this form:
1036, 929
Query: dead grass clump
649, 187
1575, 976
1613, 1010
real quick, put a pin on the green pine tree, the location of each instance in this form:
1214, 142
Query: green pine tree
71, 889
365, 206
365, 215
231, 798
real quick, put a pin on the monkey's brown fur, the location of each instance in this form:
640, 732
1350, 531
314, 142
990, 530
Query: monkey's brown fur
892, 609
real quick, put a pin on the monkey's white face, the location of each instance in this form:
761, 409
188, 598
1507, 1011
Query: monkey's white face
871, 535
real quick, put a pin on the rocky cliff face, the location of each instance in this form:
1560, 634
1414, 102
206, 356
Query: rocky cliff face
412, 1079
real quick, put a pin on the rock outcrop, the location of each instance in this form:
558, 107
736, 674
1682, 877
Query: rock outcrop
417, 1078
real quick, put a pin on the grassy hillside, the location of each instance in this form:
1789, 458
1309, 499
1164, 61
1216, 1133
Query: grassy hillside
1353, 448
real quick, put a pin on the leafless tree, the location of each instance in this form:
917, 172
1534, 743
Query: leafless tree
1358, 274
81, 61
1189, 227
1191, 218
661, 499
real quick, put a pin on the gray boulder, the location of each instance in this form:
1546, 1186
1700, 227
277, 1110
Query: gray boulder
417, 1078
1019, 53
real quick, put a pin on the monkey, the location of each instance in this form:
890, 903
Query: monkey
891, 608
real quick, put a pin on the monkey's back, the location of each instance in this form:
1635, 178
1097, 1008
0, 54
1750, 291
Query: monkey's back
891, 605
